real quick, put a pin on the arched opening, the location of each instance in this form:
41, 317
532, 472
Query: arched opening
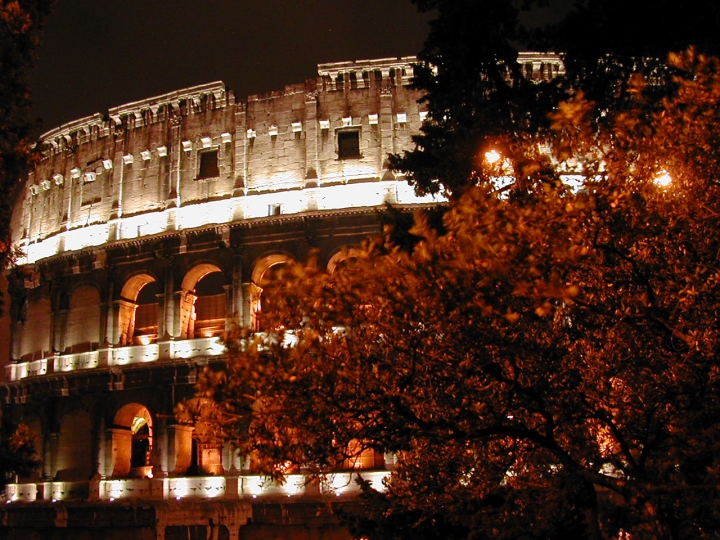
210, 305
206, 317
132, 442
83, 321
146, 314
35, 338
343, 258
73, 460
270, 295
267, 276
138, 311
360, 457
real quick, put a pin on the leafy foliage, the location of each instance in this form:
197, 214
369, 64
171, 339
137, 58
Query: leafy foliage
17, 450
547, 345
20, 24
476, 94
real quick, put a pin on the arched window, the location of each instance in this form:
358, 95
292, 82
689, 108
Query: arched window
74, 450
138, 311
132, 442
360, 457
35, 337
342, 258
146, 314
82, 332
270, 296
210, 305
266, 275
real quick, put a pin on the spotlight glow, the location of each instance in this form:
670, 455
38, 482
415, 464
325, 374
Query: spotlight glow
663, 179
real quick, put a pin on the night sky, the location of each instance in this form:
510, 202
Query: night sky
98, 54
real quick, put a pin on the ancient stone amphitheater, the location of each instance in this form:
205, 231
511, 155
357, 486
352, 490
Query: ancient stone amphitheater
145, 232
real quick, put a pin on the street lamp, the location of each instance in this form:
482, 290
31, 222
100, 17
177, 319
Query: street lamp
663, 179
493, 156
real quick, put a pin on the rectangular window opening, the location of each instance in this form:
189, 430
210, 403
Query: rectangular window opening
208, 165
348, 144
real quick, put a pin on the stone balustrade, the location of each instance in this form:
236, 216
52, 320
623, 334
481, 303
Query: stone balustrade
341, 484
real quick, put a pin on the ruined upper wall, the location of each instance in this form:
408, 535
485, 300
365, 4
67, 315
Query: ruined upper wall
198, 156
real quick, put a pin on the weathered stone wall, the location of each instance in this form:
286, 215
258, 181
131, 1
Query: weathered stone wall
146, 157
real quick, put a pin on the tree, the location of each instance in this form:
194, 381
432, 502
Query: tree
18, 455
542, 343
476, 95
20, 24
548, 344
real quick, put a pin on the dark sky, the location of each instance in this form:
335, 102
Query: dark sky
98, 54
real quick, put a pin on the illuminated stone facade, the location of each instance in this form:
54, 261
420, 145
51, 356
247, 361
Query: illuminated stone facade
146, 232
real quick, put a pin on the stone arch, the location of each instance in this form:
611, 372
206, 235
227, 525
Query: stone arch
196, 273
262, 289
82, 329
36, 332
74, 451
264, 264
132, 441
133, 285
360, 457
211, 305
188, 297
137, 317
343, 255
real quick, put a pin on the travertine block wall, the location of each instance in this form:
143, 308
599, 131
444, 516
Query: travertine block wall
144, 157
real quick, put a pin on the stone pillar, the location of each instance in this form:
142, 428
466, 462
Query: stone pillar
386, 121
169, 306
125, 316
179, 449
50, 457
108, 333
312, 165
160, 316
185, 315
241, 144
120, 450
59, 332
159, 457
176, 151
17, 336
250, 300
229, 306
238, 308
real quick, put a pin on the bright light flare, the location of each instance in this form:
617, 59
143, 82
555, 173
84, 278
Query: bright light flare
663, 179
493, 156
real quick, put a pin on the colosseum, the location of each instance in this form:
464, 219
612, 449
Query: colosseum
145, 232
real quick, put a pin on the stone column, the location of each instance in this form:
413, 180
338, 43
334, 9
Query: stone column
250, 299
238, 308
185, 315
18, 329
159, 456
118, 452
240, 144
229, 306
386, 121
108, 333
59, 333
179, 449
312, 165
169, 331
125, 316
160, 315
50, 457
